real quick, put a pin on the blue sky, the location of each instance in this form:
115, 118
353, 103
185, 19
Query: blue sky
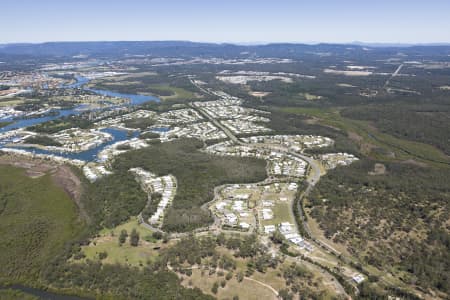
394, 21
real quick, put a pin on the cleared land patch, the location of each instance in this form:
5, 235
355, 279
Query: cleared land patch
384, 143
107, 242
247, 289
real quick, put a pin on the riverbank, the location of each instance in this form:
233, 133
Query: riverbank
23, 292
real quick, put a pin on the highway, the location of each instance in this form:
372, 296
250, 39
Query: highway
315, 172
217, 123
312, 179
392, 76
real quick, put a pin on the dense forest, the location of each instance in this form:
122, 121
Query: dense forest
41, 234
397, 220
42, 140
61, 124
139, 123
37, 218
120, 282
391, 213
113, 199
197, 174
422, 123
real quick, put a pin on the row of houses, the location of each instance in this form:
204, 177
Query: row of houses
226, 100
241, 126
332, 160
236, 112
167, 189
233, 212
203, 131
55, 158
290, 233
292, 142
164, 185
94, 171
179, 116
119, 121
108, 153
287, 165
78, 140
280, 163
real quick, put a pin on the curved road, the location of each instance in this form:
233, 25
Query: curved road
312, 179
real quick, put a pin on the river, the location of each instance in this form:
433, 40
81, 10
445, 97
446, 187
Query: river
91, 154
41, 294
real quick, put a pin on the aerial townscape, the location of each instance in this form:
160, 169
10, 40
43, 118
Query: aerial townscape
202, 170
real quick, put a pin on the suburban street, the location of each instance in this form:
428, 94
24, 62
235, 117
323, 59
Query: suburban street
217, 123
313, 177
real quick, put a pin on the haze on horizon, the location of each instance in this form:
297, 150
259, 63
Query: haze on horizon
234, 21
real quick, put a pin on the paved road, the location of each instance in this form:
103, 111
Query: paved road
312, 179
217, 123
314, 173
392, 76
201, 88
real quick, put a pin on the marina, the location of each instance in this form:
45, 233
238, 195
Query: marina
90, 154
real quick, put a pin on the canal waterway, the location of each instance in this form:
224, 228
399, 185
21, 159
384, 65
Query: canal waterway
91, 154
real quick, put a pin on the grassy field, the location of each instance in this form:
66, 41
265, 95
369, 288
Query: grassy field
368, 138
197, 174
311, 97
11, 102
281, 213
246, 289
36, 219
107, 241
146, 83
177, 93
259, 285
271, 277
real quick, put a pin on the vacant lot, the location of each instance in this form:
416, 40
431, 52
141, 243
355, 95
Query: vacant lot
107, 242
247, 289
166, 88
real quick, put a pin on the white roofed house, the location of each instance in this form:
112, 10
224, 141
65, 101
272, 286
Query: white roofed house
244, 225
292, 186
269, 229
358, 278
242, 196
165, 186
267, 214
238, 205
231, 218
267, 203
286, 227
220, 206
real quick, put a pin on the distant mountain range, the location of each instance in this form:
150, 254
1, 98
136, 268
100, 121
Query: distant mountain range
190, 49
399, 45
